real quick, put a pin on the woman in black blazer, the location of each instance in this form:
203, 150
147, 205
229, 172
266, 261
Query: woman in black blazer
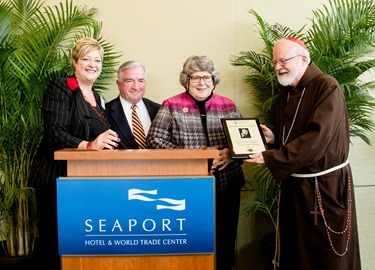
73, 118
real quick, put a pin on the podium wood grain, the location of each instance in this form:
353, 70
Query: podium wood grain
144, 162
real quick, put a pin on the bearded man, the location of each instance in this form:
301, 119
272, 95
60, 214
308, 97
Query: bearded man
308, 157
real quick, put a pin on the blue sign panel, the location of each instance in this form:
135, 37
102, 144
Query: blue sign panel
151, 215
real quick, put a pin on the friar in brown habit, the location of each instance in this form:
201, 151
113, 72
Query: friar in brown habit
308, 156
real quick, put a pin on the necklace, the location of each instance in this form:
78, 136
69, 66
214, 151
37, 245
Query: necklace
101, 116
294, 118
87, 98
98, 111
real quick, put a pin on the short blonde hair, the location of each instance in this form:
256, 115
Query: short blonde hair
84, 46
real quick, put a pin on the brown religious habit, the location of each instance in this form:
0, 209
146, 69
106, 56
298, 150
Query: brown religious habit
317, 214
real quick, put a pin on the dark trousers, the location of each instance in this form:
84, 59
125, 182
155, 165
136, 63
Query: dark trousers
47, 256
227, 212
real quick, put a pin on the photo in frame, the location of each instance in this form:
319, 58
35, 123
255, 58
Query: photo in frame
244, 136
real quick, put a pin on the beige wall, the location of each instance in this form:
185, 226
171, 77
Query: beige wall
163, 33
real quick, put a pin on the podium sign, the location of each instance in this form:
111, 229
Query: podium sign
136, 215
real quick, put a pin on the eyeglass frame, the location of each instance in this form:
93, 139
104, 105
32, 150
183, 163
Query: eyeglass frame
200, 78
284, 61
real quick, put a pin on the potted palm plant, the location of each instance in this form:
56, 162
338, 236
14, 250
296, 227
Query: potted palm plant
341, 42
35, 44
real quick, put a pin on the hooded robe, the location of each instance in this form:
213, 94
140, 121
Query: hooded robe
312, 136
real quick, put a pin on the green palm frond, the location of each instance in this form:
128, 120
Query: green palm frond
260, 73
265, 195
5, 23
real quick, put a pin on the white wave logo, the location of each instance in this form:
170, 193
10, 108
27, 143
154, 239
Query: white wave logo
142, 195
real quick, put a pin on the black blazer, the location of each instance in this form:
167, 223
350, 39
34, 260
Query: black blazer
66, 116
66, 124
118, 122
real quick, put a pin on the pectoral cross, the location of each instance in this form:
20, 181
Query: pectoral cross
315, 213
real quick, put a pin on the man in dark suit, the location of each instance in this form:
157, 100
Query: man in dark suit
131, 82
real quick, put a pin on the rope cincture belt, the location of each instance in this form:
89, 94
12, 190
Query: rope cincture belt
309, 175
275, 261
318, 196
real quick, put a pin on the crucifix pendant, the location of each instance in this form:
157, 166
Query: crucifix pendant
315, 213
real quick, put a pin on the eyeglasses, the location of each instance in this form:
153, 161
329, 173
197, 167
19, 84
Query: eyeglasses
197, 79
284, 61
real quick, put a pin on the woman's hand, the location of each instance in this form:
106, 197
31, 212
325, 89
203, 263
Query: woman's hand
222, 161
107, 140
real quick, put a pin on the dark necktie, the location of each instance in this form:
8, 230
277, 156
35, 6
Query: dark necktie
138, 131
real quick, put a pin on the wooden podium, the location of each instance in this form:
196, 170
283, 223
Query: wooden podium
145, 162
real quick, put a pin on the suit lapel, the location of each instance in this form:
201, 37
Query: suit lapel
118, 116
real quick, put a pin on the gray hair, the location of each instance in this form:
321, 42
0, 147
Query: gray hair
304, 52
195, 64
129, 65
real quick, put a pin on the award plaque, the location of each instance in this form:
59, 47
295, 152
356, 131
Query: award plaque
244, 137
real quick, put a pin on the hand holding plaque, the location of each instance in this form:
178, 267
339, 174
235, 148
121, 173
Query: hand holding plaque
244, 136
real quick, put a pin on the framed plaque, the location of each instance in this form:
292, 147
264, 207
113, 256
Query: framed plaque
244, 136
